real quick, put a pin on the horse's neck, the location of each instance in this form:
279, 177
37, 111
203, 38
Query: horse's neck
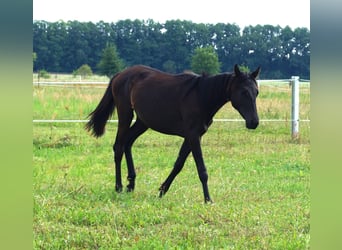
214, 93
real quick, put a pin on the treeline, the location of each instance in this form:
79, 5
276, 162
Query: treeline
65, 46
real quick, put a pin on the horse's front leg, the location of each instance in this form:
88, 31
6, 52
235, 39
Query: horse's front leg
183, 154
195, 143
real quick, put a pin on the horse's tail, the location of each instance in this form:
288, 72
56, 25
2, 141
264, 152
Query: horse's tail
103, 111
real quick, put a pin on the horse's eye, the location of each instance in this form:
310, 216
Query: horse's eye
245, 93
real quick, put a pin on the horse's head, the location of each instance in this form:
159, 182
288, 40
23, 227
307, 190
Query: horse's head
243, 93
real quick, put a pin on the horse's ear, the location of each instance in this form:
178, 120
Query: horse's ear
237, 70
255, 74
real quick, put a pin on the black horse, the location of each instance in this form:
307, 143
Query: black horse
182, 104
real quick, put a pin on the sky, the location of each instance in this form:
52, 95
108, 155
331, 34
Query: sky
294, 13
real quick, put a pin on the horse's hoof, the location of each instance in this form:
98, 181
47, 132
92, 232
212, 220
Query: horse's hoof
129, 189
161, 191
118, 189
208, 201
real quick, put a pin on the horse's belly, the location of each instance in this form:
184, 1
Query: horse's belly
158, 110
176, 130
162, 122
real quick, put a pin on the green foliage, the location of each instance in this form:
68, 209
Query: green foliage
280, 51
43, 74
34, 56
244, 68
110, 62
205, 60
170, 66
83, 71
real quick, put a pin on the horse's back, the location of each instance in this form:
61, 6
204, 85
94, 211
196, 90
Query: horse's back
142, 81
159, 88
156, 97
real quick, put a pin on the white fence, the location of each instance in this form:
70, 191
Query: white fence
294, 82
103, 84
215, 120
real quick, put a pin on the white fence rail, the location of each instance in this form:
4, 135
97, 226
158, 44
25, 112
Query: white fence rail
294, 82
215, 120
90, 83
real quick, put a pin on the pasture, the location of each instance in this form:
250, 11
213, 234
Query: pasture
259, 181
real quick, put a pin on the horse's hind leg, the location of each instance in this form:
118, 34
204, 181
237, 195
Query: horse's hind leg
125, 119
118, 152
133, 133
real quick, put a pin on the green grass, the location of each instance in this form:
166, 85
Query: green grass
259, 181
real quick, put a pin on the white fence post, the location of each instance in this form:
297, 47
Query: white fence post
294, 82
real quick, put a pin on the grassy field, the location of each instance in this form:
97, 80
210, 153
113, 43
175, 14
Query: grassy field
259, 181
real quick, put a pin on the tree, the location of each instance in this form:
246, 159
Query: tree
83, 71
169, 66
65, 46
110, 63
34, 57
43, 74
205, 60
244, 68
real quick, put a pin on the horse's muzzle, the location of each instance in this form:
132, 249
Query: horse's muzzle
252, 124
